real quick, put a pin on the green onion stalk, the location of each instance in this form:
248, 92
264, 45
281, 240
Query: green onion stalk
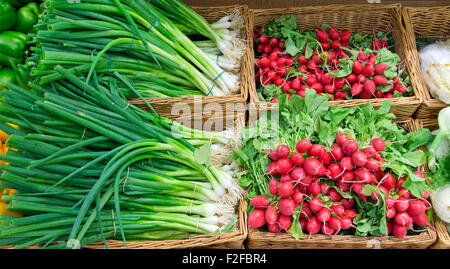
88, 166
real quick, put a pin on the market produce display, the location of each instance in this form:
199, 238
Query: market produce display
88, 163
338, 64
14, 27
334, 170
163, 47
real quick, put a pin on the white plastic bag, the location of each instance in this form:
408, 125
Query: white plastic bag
435, 66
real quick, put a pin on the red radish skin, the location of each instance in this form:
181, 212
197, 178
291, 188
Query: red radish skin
283, 151
380, 80
285, 189
348, 176
357, 67
403, 193
326, 229
303, 145
351, 78
324, 188
336, 152
297, 174
360, 78
378, 144
349, 147
316, 150
297, 159
362, 56
302, 224
314, 188
285, 178
401, 204
306, 213
380, 68
403, 218
347, 203
390, 202
326, 158
273, 186
315, 204
307, 180
271, 214
284, 222
356, 89
335, 44
371, 164
347, 163
368, 70
399, 230
359, 158
273, 155
314, 167
284, 166
421, 220
390, 212
351, 213
363, 175
312, 226
273, 42
389, 181
297, 197
335, 224
273, 228
369, 86
286, 206
341, 139
334, 195
272, 169
323, 215
346, 223
334, 171
259, 201
263, 39
337, 209
343, 186
416, 207
322, 36
256, 219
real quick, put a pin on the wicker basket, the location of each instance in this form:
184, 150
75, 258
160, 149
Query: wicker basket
212, 14
443, 237
429, 22
365, 18
266, 240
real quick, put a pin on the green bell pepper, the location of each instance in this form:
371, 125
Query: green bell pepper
8, 16
6, 75
35, 7
26, 19
12, 46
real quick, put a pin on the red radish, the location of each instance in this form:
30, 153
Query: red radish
281, 71
273, 186
339, 83
273, 155
271, 214
384, 43
334, 195
376, 45
416, 207
259, 202
345, 35
281, 44
357, 67
286, 207
274, 100
342, 54
357, 187
303, 145
283, 151
301, 93
284, 165
351, 78
264, 62
359, 158
338, 209
390, 202
318, 87
316, 150
356, 89
328, 88
347, 163
341, 95
316, 59
256, 219
341, 139
363, 175
378, 144
360, 78
400, 182
297, 197
421, 219
368, 70
263, 39
371, 164
286, 189
314, 167
346, 223
284, 222
401, 204
297, 159
314, 188
324, 188
302, 224
315, 204
310, 80
380, 68
390, 212
297, 174
322, 36
334, 171
376, 195
271, 74
302, 59
400, 89
312, 225
399, 230
351, 213
295, 85
311, 65
347, 203
272, 169
369, 86
286, 87
280, 61
305, 213
362, 56
333, 33
388, 96
335, 224
379, 94
323, 215
267, 49
336, 152
273, 42
343, 186
403, 218
325, 45
273, 228
326, 158
389, 182
285, 178
278, 81
349, 147
389, 227
380, 80
274, 56
370, 152
289, 61
335, 44
348, 176
403, 193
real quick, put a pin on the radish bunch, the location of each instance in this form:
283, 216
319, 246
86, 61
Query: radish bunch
294, 73
316, 178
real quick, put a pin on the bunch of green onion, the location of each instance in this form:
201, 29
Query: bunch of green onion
88, 166
163, 47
